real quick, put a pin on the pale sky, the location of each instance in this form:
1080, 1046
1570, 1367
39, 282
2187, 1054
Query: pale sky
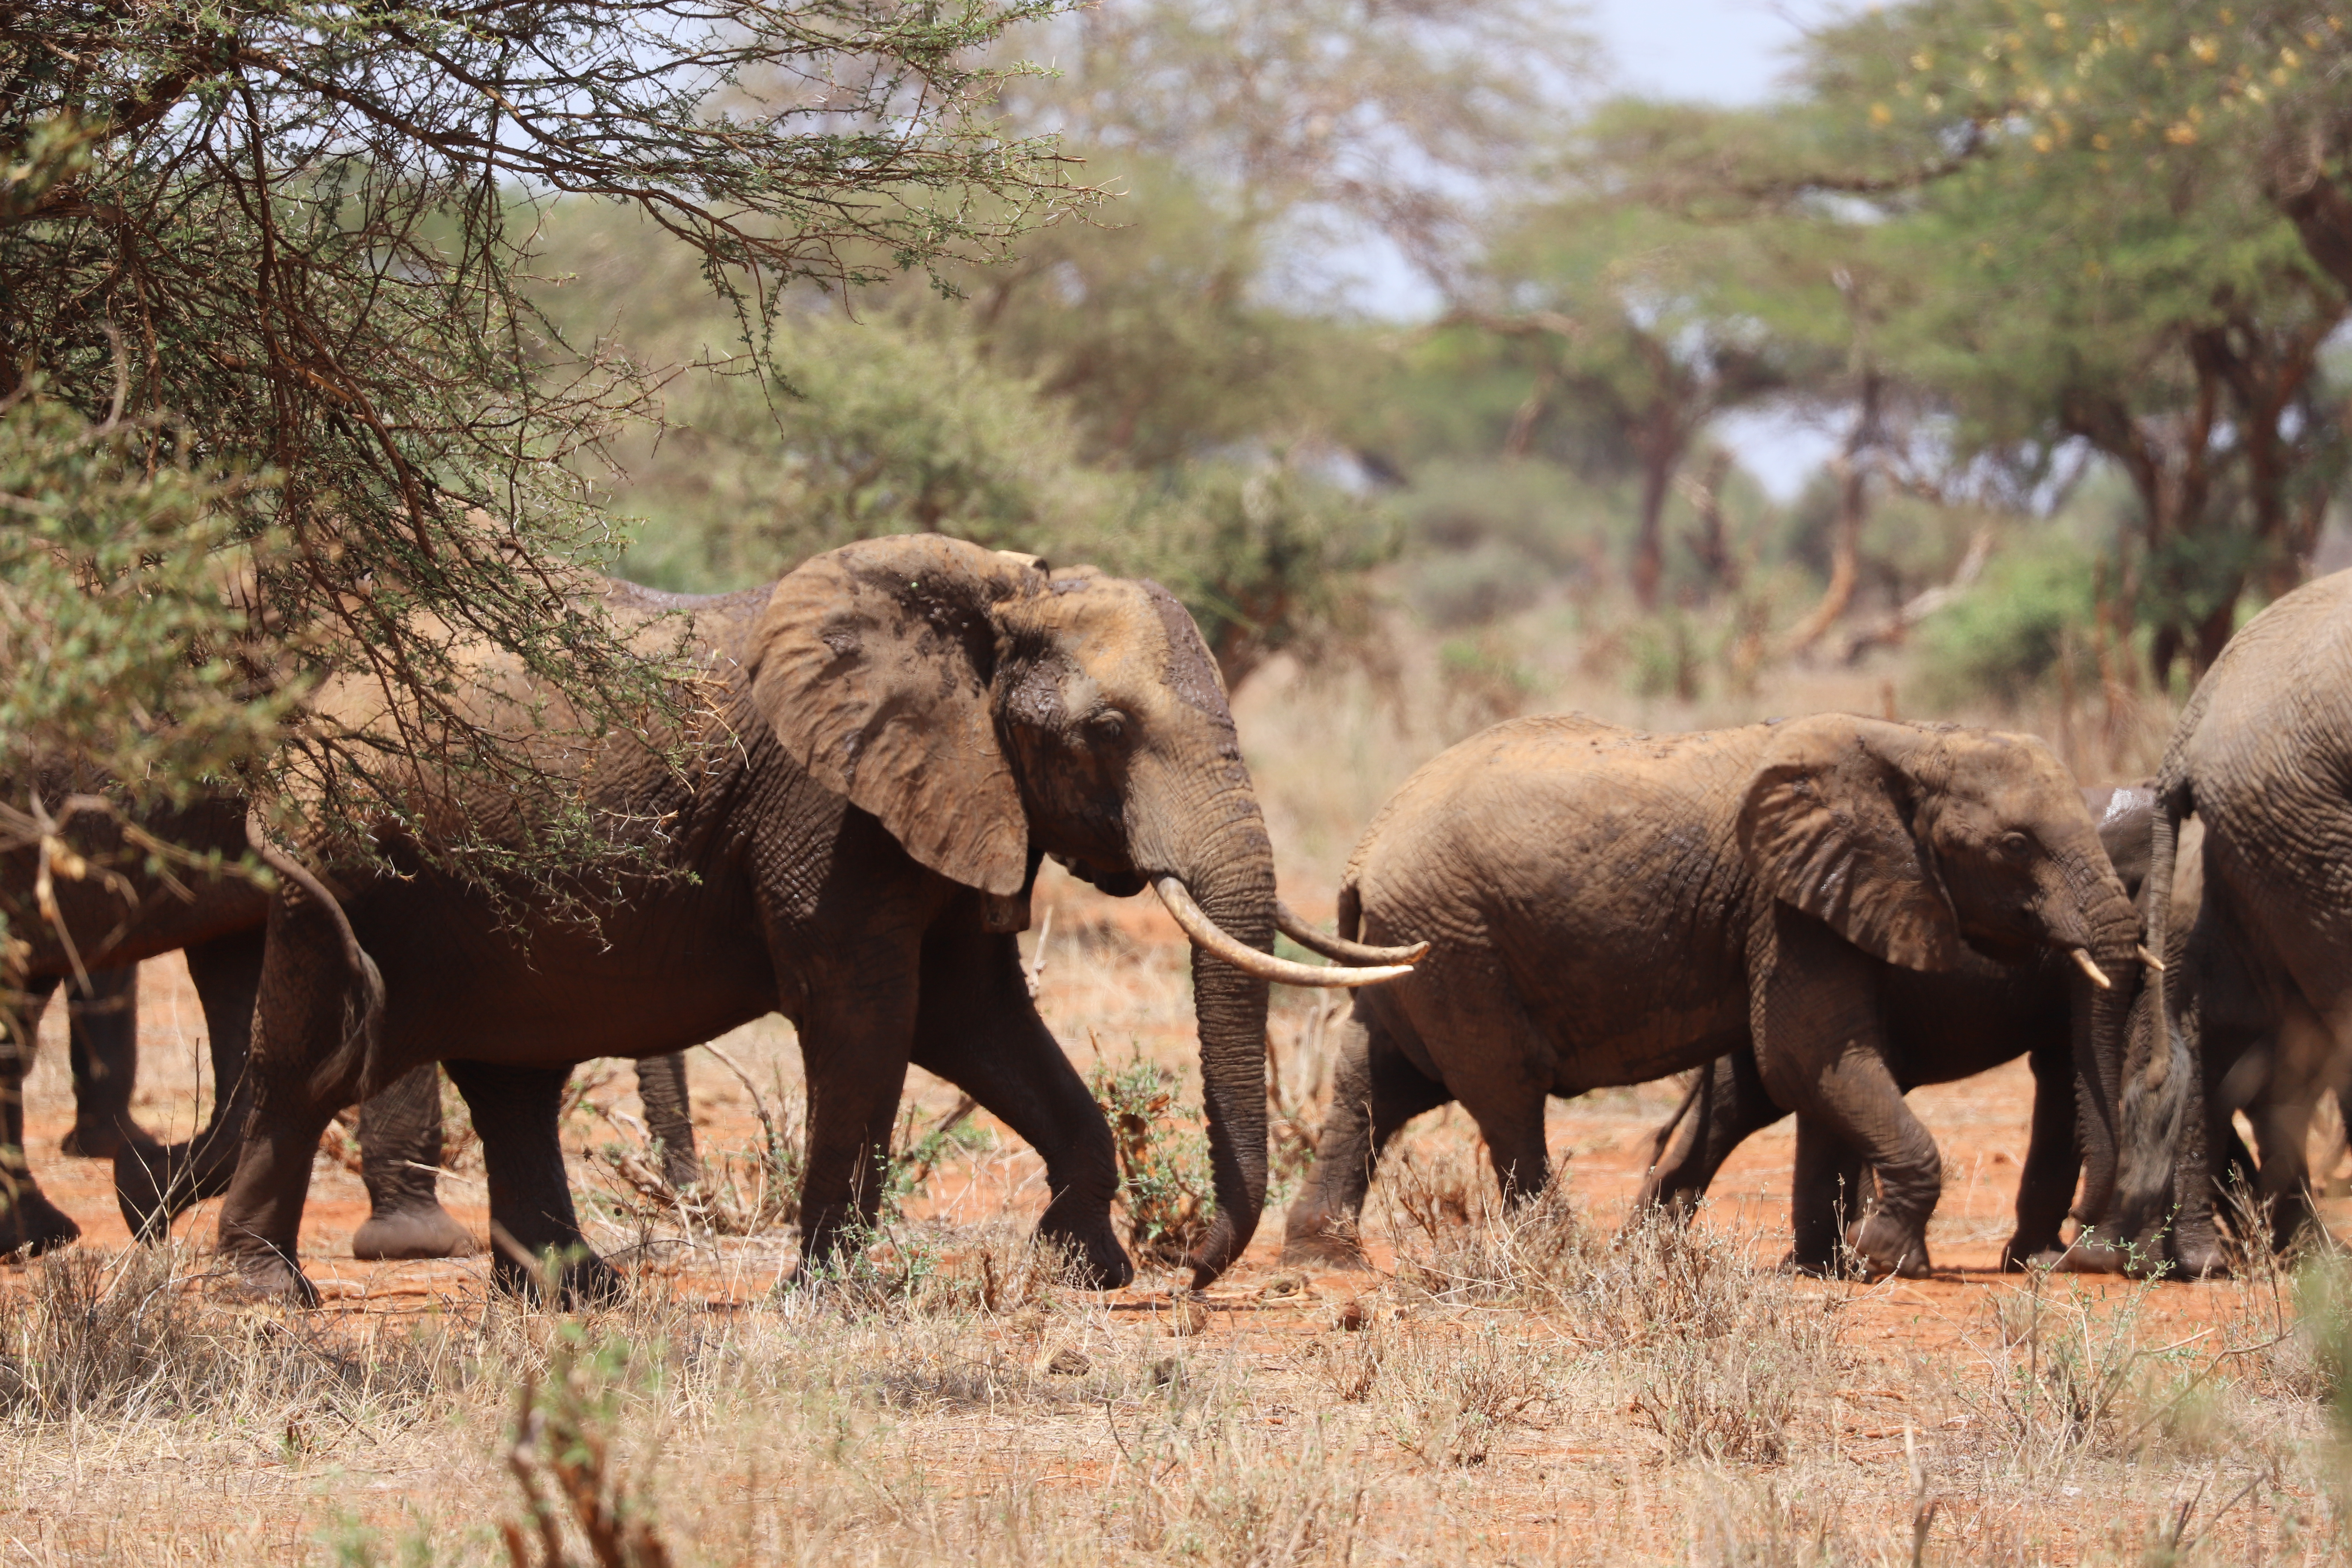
1726, 51
1720, 51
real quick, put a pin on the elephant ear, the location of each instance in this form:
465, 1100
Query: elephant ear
1829, 825
872, 665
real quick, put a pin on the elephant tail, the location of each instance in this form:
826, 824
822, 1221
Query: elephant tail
2156, 1086
348, 1073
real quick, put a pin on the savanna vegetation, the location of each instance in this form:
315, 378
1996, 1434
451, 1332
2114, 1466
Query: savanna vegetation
1441, 381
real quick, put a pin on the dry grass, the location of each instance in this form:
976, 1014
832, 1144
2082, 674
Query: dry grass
1550, 1384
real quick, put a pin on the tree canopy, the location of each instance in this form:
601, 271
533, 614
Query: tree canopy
288, 252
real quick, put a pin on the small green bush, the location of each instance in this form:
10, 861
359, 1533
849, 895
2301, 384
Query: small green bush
2005, 636
1163, 1164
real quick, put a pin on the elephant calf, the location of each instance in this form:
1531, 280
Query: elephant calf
1940, 1029
1606, 907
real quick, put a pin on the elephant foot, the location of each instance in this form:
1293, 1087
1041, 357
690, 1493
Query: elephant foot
154, 1183
426, 1230
583, 1280
2198, 1258
1096, 1261
1812, 1267
1326, 1248
32, 1225
2019, 1256
93, 1140
1886, 1246
264, 1277
2094, 1254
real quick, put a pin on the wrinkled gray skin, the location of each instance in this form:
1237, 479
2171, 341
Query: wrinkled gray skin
1607, 907
2258, 997
1939, 1028
899, 731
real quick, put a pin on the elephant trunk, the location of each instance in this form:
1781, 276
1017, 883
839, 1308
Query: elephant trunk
2105, 949
1228, 867
2152, 1101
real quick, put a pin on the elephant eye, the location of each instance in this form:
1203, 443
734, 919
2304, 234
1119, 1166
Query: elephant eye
1107, 728
2015, 844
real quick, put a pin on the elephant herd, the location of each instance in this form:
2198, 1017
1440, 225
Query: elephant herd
842, 813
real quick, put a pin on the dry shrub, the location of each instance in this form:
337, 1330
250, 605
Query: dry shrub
1742, 1525
1458, 1244
1349, 1363
1223, 1493
1728, 1351
2071, 1375
1164, 1163
1460, 1392
130, 1335
743, 1191
561, 1443
1722, 1400
1725, 1351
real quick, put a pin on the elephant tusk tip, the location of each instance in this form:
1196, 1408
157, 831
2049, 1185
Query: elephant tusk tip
1205, 935
2149, 959
2098, 976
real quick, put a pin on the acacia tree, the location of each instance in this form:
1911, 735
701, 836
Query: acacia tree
2128, 208
292, 241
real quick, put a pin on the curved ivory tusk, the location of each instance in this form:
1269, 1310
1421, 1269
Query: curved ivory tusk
1339, 948
2149, 959
2082, 957
1209, 938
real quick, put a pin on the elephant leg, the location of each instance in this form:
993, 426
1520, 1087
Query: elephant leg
1500, 1071
978, 1029
1825, 1198
400, 1159
1819, 1041
1725, 1107
2054, 1162
2282, 1133
319, 1024
154, 1182
854, 1050
661, 1086
2210, 1149
533, 1227
1375, 1091
30, 1224
103, 1050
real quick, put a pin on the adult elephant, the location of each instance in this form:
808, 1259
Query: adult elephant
86, 932
1608, 908
2258, 1001
846, 830
1940, 1028
88, 937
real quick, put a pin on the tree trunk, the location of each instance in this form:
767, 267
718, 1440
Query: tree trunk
1853, 509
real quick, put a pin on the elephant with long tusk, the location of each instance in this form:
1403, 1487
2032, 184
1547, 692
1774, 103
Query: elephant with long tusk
880, 750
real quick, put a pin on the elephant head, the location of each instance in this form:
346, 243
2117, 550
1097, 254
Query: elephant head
1917, 842
988, 710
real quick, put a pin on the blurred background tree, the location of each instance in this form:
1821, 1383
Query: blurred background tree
1177, 389
1393, 319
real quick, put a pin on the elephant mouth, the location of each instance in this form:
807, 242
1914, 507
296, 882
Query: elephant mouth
1120, 883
